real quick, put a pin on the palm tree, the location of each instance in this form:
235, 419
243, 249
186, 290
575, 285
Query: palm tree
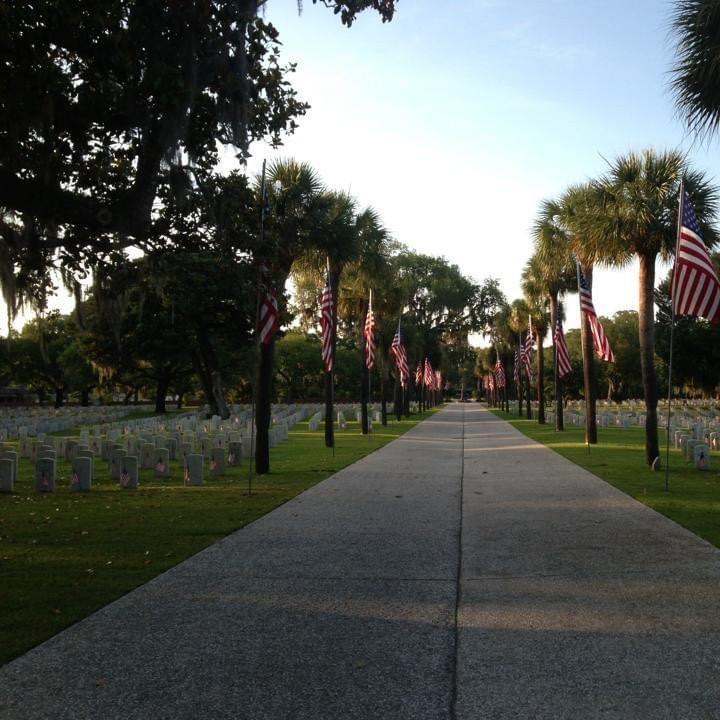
554, 272
519, 313
696, 73
297, 214
577, 207
639, 219
535, 286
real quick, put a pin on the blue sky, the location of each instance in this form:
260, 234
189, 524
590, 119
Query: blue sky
456, 119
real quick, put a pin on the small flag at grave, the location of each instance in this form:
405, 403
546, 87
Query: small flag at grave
160, 466
124, 478
186, 475
231, 458
75, 479
213, 465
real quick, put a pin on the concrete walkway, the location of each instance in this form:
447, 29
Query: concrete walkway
462, 571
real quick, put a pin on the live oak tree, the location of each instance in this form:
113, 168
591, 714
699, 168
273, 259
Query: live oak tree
105, 102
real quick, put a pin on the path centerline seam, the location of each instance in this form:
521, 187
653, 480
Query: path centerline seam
456, 630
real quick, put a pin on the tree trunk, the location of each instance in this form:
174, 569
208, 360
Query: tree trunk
528, 398
559, 423
397, 400
161, 388
59, 397
541, 382
519, 385
383, 394
263, 408
588, 371
180, 401
364, 396
646, 331
205, 380
85, 397
333, 278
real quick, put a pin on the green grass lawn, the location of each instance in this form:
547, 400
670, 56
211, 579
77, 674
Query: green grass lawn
64, 555
693, 500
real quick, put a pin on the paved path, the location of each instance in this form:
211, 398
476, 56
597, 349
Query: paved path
461, 572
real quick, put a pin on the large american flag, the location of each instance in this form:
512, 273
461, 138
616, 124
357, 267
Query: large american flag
269, 322
516, 366
499, 373
695, 286
527, 352
600, 341
561, 350
326, 325
428, 377
369, 333
419, 374
398, 351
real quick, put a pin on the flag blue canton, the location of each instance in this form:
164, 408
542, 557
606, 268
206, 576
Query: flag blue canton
690, 220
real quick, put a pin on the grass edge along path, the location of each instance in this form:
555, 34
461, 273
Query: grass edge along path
619, 459
64, 555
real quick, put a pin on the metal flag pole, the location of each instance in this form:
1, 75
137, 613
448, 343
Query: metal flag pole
672, 327
251, 463
370, 418
577, 268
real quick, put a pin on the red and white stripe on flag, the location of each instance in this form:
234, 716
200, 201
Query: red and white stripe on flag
695, 286
561, 351
419, 373
600, 341
428, 376
499, 374
326, 325
369, 333
398, 350
269, 317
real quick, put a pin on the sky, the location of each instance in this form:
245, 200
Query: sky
455, 120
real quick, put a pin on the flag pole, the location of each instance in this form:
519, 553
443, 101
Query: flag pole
251, 463
369, 372
672, 327
333, 330
577, 269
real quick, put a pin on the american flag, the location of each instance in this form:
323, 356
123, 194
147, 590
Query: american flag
419, 374
369, 333
499, 373
526, 353
160, 466
428, 376
269, 322
326, 323
695, 286
124, 478
516, 366
398, 351
75, 479
562, 354
600, 341
438, 380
